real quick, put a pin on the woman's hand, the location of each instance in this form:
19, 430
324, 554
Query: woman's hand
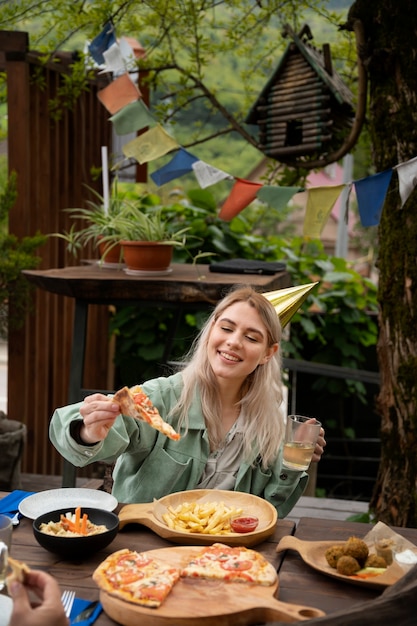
99, 413
320, 445
48, 611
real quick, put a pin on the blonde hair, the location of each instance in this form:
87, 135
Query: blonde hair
262, 391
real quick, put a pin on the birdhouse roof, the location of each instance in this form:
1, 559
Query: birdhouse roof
317, 61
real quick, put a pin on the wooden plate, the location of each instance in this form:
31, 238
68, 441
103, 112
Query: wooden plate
206, 603
312, 553
149, 514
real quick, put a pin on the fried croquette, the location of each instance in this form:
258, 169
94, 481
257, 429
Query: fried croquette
332, 555
356, 548
347, 565
374, 560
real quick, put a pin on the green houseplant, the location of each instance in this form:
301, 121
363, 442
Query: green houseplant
129, 227
146, 235
98, 224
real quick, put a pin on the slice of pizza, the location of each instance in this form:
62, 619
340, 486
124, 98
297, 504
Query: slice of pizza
135, 403
136, 577
19, 570
233, 564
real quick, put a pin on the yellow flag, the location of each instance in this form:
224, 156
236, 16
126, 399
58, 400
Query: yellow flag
320, 201
287, 301
150, 145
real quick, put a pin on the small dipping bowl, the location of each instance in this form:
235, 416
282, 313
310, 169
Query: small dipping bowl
406, 559
77, 547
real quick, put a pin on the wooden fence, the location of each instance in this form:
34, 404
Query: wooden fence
54, 158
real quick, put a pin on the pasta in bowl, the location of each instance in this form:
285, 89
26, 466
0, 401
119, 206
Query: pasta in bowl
74, 534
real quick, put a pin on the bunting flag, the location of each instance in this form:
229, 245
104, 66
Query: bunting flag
179, 165
277, 197
320, 201
102, 42
151, 145
371, 193
133, 44
407, 178
207, 174
118, 94
113, 60
242, 194
132, 117
287, 301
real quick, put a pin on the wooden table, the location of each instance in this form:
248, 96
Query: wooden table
298, 582
187, 286
77, 575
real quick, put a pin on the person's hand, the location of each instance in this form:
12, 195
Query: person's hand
98, 412
48, 611
320, 445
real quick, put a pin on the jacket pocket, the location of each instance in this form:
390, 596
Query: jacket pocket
161, 474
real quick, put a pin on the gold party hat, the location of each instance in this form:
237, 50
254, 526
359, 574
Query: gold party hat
287, 301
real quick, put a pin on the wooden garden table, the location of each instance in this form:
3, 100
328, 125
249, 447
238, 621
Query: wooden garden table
298, 582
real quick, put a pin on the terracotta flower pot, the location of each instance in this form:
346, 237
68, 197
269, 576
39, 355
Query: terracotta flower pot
112, 255
147, 256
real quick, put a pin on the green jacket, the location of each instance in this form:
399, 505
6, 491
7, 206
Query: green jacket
149, 465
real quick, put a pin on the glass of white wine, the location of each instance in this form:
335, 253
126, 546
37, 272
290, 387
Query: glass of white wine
301, 435
6, 529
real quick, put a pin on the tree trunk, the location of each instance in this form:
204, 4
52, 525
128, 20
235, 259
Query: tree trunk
390, 32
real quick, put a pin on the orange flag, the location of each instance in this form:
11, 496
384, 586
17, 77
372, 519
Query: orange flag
320, 201
242, 194
118, 94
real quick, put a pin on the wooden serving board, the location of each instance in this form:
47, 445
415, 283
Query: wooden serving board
313, 553
148, 514
206, 603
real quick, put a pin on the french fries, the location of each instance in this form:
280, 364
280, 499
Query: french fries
210, 518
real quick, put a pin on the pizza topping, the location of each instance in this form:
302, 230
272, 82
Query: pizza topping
236, 565
244, 524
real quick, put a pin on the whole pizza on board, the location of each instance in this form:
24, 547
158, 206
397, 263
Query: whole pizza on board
145, 580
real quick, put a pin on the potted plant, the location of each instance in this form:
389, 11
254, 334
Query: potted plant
146, 237
101, 226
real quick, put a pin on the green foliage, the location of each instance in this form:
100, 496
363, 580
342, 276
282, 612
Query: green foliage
207, 62
337, 324
16, 255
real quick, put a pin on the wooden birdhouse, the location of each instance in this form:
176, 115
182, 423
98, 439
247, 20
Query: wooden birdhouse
305, 110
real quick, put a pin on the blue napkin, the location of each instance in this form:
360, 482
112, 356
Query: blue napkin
9, 505
78, 606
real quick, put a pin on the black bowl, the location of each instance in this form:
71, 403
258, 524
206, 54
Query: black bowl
77, 547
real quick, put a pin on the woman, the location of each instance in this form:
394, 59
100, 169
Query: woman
226, 402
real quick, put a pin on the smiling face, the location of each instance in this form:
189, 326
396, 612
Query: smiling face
238, 342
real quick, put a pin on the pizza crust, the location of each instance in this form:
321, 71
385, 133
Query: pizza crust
19, 572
